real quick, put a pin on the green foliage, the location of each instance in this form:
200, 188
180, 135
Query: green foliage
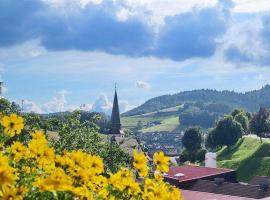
191, 142
227, 132
248, 157
260, 123
192, 156
235, 112
201, 114
75, 134
7, 107
242, 118
192, 139
139, 125
120, 158
33, 121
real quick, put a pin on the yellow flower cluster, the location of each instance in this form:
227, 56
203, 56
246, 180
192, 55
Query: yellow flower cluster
12, 124
34, 170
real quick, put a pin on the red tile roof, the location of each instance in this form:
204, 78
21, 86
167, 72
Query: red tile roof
190, 172
194, 195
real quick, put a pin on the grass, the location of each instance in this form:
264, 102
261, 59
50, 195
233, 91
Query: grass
169, 124
167, 118
249, 157
129, 122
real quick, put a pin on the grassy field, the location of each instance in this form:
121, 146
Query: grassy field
167, 117
249, 157
168, 124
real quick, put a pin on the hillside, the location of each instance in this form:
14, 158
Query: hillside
190, 114
249, 157
162, 120
249, 101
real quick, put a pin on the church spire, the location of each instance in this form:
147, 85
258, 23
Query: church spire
115, 117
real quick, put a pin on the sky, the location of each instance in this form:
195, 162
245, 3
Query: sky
58, 55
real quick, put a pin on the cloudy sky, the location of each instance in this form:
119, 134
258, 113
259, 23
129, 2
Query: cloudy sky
61, 55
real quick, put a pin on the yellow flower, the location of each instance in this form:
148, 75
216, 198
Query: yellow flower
83, 193
140, 163
7, 175
17, 151
57, 181
12, 124
158, 176
96, 164
38, 135
9, 192
161, 161
3, 160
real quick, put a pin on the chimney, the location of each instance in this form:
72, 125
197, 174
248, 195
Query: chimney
211, 160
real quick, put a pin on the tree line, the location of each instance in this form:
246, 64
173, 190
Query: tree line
226, 132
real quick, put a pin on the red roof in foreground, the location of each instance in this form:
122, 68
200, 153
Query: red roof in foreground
194, 195
189, 172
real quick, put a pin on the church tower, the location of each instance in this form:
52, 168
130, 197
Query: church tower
116, 127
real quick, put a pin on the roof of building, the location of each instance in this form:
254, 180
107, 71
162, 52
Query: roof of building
233, 189
191, 172
128, 144
257, 180
195, 195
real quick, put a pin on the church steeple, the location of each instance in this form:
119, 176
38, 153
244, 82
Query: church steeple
115, 117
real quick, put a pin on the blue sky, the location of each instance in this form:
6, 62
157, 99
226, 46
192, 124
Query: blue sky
61, 55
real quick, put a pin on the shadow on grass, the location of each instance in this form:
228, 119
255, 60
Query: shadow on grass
227, 152
254, 164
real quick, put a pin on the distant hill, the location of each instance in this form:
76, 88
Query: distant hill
250, 101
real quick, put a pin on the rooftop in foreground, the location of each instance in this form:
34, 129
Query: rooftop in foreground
194, 195
191, 172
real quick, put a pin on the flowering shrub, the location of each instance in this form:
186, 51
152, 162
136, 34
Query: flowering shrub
34, 171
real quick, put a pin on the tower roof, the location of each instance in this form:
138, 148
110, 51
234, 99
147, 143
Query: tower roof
115, 117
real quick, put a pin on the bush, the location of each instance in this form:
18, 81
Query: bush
192, 156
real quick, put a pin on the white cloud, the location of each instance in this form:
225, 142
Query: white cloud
102, 104
57, 104
251, 6
124, 106
259, 77
30, 106
143, 85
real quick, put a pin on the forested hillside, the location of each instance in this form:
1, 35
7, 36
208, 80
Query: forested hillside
250, 101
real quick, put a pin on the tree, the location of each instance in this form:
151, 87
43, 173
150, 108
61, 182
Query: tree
260, 122
235, 112
210, 142
243, 120
192, 139
7, 107
227, 132
139, 125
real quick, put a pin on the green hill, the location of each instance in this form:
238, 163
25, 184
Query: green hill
162, 120
249, 157
250, 101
